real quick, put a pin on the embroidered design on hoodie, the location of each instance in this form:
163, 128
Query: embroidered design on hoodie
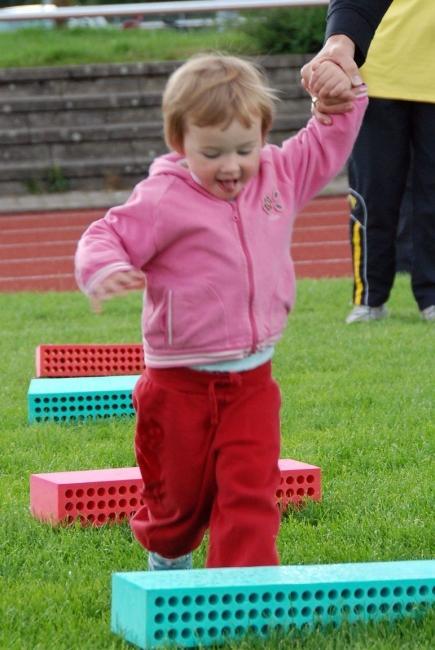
272, 205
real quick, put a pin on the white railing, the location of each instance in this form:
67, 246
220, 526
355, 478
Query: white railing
151, 8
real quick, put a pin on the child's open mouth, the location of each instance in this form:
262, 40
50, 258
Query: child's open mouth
229, 186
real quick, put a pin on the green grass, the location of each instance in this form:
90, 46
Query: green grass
358, 401
39, 47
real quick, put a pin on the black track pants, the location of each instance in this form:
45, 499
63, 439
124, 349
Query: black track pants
392, 130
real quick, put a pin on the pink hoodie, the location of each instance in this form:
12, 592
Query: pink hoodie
220, 279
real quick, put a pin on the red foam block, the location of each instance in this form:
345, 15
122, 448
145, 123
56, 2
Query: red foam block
299, 481
90, 496
110, 495
84, 360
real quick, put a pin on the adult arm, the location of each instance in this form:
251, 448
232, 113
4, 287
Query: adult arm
351, 25
356, 19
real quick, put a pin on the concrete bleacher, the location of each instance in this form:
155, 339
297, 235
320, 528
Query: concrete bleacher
97, 127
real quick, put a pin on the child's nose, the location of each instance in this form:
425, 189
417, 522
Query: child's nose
230, 163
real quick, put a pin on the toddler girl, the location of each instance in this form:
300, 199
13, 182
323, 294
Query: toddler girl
208, 234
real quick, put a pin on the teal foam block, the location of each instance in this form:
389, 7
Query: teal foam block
209, 606
80, 398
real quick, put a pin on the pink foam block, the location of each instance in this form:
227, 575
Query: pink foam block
87, 360
110, 495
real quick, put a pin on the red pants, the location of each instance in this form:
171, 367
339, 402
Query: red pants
207, 445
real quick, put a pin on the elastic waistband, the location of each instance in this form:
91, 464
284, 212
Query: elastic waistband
189, 380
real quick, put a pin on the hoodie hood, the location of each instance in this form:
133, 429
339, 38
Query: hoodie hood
170, 163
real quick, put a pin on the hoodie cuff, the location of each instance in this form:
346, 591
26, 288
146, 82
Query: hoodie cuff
102, 274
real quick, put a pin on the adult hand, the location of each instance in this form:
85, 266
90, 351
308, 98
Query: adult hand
341, 50
116, 284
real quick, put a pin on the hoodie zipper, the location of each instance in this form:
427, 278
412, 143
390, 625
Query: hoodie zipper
236, 218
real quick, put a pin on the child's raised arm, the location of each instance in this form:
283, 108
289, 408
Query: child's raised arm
306, 163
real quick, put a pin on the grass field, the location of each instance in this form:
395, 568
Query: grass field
42, 47
358, 401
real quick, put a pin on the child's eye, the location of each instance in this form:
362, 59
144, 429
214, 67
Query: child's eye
244, 152
210, 155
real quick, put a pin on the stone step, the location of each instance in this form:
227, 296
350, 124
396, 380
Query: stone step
98, 127
149, 129
75, 110
112, 173
125, 77
54, 145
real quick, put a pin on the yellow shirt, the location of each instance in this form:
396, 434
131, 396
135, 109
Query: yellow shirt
401, 59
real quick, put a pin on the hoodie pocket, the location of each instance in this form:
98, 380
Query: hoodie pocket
281, 302
196, 319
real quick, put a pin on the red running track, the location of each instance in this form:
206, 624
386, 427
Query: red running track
37, 248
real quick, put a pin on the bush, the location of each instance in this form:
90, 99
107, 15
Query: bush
287, 31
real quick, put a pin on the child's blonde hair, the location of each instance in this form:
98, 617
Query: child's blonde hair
214, 89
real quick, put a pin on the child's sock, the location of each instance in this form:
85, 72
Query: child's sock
157, 562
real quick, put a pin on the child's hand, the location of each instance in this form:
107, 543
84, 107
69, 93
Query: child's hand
117, 284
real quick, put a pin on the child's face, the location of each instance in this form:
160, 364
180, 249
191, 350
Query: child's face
223, 160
